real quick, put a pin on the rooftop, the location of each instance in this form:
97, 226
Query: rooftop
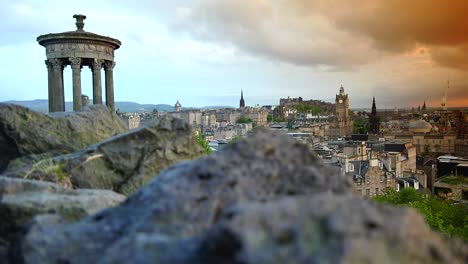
77, 36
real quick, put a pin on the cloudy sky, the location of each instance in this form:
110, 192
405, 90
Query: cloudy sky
203, 52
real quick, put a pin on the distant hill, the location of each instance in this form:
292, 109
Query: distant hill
42, 105
216, 107
136, 107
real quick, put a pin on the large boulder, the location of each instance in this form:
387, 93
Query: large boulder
25, 132
21, 200
265, 199
122, 163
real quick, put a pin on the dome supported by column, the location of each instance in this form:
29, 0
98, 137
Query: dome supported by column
79, 48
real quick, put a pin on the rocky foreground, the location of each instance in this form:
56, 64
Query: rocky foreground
264, 199
122, 163
27, 136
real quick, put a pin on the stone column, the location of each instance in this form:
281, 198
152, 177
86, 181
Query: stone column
50, 82
109, 69
97, 86
76, 71
58, 93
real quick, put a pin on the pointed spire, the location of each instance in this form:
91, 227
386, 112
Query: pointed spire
424, 106
242, 102
374, 108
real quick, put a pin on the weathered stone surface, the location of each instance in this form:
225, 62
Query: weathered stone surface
21, 200
25, 132
122, 163
265, 199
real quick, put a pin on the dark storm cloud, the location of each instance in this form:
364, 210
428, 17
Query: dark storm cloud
401, 25
263, 28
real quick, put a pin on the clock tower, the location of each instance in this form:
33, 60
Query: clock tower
342, 106
343, 125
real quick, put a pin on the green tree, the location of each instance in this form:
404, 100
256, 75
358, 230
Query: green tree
269, 118
442, 216
427, 149
361, 125
305, 108
244, 120
203, 143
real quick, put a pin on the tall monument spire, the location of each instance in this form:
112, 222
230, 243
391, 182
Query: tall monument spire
374, 108
374, 120
242, 102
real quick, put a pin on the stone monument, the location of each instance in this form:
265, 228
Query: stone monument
79, 48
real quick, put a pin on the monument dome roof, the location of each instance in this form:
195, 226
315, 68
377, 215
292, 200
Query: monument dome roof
420, 124
77, 36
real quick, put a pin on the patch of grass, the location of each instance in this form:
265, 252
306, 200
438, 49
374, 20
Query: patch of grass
202, 142
59, 171
442, 216
455, 180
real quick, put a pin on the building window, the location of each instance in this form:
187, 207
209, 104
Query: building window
367, 192
376, 191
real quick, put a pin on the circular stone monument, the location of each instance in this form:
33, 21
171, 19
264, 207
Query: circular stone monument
79, 48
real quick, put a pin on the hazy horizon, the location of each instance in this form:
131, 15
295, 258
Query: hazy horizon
204, 52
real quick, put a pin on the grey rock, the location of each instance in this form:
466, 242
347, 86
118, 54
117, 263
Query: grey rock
122, 163
25, 132
265, 199
21, 200
3, 250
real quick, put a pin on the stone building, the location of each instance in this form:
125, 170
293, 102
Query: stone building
230, 131
370, 178
208, 120
177, 107
430, 143
258, 115
355, 150
419, 126
407, 155
132, 121
461, 147
343, 125
192, 117
79, 48
229, 115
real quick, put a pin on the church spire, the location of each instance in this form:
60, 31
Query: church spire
242, 102
374, 108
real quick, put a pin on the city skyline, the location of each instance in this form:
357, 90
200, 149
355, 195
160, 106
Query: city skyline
204, 52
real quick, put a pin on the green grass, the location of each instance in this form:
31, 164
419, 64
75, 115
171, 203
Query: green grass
442, 216
455, 180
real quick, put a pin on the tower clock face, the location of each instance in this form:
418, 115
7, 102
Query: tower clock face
340, 101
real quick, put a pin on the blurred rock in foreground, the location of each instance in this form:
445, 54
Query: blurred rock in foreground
265, 199
21, 200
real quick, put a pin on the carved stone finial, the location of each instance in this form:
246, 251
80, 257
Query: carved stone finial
79, 22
